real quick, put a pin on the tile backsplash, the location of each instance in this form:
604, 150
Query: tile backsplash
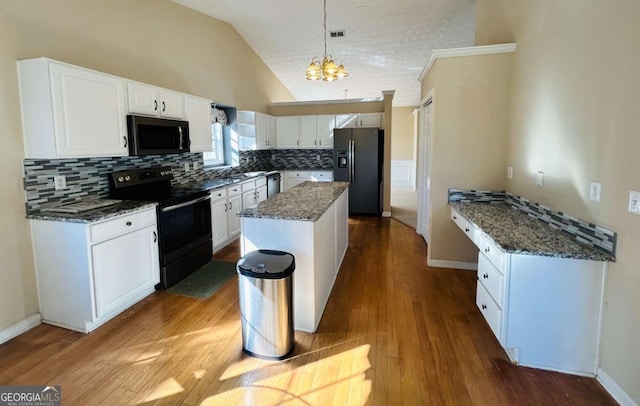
89, 176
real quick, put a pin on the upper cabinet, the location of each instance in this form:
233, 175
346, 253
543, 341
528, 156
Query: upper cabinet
307, 132
359, 120
256, 131
155, 101
69, 111
198, 114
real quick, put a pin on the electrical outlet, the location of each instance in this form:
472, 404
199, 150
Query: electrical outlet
195, 165
60, 182
539, 179
273, 157
595, 191
317, 157
255, 159
186, 167
509, 172
634, 202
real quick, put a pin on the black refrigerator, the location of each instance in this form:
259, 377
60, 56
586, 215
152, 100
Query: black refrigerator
357, 158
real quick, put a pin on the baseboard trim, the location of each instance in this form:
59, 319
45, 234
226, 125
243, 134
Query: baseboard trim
467, 266
19, 328
614, 389
386, 214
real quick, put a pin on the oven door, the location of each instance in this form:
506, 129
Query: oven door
185, 238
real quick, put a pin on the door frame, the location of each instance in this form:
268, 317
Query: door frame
425, 147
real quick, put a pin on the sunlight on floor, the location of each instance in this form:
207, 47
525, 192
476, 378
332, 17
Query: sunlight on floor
337, 379
168, 387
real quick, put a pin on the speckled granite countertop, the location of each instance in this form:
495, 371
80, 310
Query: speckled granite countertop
516, 233
91, 216
215, 183
306, 202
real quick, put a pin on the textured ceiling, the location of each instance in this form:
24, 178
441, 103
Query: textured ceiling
386, 43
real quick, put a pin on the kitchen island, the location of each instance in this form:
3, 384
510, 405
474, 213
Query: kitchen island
309, 221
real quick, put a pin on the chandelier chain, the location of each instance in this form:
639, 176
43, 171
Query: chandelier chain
325, 27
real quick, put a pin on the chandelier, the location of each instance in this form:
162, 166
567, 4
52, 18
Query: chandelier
326, 70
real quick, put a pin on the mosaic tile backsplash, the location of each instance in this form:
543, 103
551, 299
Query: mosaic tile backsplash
580, 230
89, 176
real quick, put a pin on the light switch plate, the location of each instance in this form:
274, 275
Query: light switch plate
595, 191
195, 165
60, 182
509, 172
186, 167
634, 202
539, 179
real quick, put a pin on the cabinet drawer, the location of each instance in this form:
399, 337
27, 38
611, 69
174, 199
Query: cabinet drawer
261, 181
489, 309
122, 225
248, 186
220, 193
491, 278
233, 190
298, 175
324, 176
491, 250
464, 225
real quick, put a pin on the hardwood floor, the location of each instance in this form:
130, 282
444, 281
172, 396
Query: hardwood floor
394, 332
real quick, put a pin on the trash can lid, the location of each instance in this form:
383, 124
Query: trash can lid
267, 264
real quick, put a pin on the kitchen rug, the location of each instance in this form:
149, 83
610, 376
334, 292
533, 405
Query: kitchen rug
206, 280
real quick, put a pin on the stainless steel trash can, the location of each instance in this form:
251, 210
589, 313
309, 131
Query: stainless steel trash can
266, 303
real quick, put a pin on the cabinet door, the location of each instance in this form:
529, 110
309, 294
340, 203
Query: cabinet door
249, 199
198, 114
143, 99
346, 120
288, 131
89, 113
262, 141
271, 132
324, 130
370, 120
261, 194
308, 132
219, 222
123, 265
171, 104
235, 205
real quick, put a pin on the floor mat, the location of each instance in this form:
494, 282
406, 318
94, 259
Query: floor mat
205, 281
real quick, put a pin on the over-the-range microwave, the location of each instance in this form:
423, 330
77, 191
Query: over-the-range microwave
157, 136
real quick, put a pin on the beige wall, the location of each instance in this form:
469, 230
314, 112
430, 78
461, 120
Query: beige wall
403, 141
469, 133
575, 117
156, 42
311, 108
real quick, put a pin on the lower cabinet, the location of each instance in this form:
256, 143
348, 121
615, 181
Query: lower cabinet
254, 192
544, 311
90, 272
225, 224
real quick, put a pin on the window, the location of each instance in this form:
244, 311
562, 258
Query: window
215, 157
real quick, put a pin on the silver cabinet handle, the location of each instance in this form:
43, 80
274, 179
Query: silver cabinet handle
225, 207
486, 250
128, 224
485, 276
125, 141
319, 142
484, 307
230, 205
155, 237
164, 106
155, 105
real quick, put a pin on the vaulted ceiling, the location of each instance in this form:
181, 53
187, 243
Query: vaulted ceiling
386, 44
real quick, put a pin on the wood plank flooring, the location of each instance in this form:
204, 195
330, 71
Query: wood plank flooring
395, 332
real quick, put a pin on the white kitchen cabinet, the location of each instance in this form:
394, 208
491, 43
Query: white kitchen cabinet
254, 192
321, 176
198, 114
256, 131
288, 131
294, 178
308, 132
71, 112
324, 131
359, 120
90, 272
219, 209
544, 311
155, 101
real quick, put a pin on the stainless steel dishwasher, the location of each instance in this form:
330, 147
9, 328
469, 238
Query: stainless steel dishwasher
273, 184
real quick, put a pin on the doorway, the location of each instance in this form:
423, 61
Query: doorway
425, 126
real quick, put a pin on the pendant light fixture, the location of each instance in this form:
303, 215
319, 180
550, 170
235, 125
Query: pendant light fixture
327, 70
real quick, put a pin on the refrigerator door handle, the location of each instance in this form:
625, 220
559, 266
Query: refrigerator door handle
350, 161
353, 161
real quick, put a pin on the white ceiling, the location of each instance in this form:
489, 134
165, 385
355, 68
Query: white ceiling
386, 43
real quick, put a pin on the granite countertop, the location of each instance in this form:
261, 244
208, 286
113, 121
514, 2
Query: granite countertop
516, 233
92, 216
215, 183
307, 201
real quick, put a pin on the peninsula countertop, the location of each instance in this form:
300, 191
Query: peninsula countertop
516, 233
307, 201
95, 215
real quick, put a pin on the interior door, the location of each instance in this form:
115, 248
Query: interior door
425, 173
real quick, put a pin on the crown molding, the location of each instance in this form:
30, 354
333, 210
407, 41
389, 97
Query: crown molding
467, 51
